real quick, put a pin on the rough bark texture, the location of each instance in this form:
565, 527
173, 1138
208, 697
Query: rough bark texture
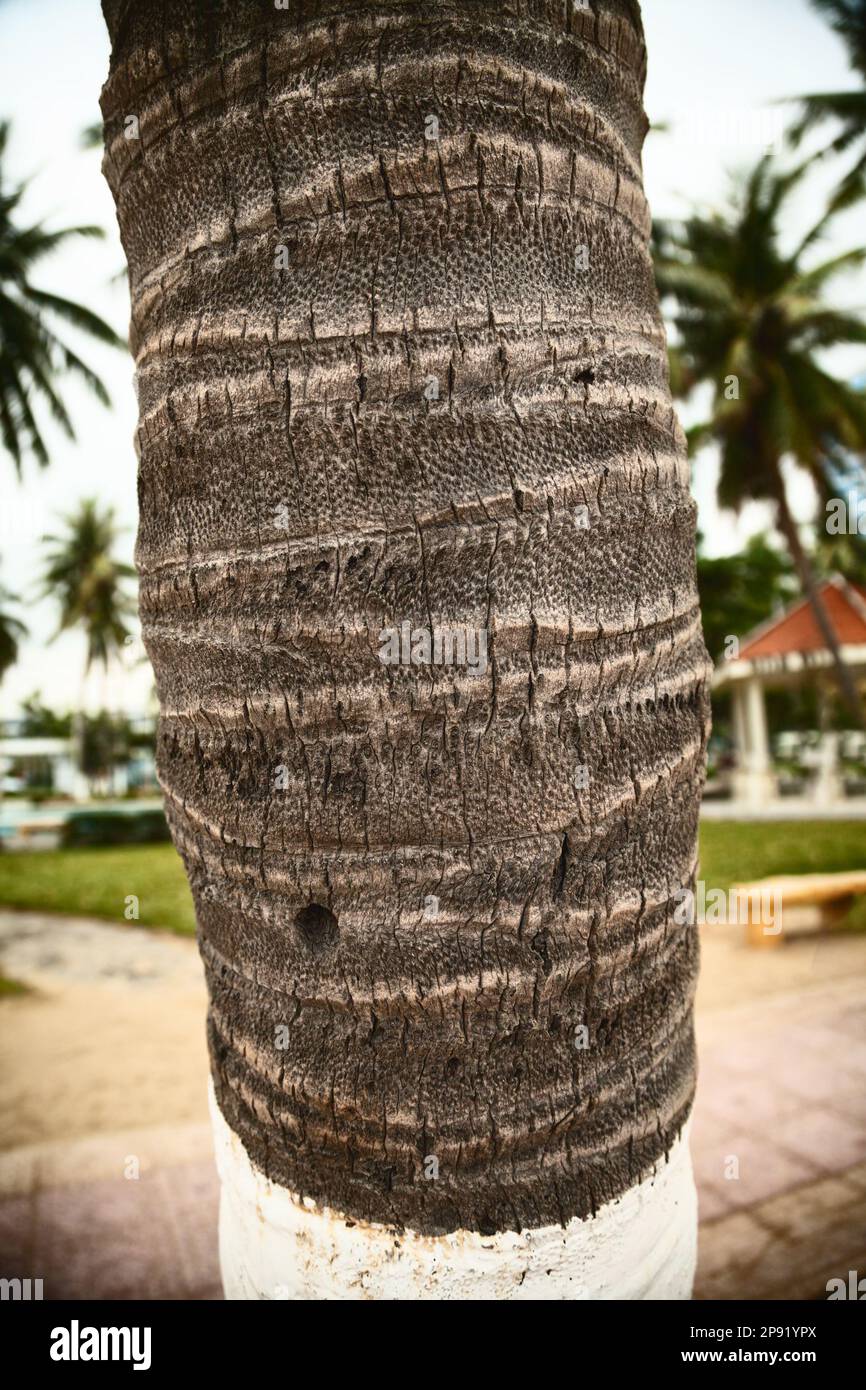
299, 493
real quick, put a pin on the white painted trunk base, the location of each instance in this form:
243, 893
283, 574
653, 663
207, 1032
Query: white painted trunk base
275, 1245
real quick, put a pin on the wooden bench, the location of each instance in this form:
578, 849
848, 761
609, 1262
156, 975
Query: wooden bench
795, 904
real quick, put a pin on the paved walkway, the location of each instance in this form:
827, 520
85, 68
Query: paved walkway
77, 1216
112, 1036
779, 1143
779, 1132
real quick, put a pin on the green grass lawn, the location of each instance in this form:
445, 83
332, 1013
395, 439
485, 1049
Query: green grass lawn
11, 989
736, 851
96, 882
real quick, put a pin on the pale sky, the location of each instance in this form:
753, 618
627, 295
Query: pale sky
715, 69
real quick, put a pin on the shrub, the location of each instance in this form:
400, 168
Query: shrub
114, 828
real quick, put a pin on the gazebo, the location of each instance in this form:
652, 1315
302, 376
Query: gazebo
789, 650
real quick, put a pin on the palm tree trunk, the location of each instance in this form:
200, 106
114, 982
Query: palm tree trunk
403, 392
806, 574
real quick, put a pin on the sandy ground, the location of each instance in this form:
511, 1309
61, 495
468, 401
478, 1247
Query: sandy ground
111, 1036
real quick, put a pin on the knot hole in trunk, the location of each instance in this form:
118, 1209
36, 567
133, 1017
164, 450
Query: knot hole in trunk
317, 926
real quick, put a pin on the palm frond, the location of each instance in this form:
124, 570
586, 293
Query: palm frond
33, 359
76, 314
751, 321
87, 583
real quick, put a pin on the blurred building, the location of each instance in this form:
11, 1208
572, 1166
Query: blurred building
789, 651
39, 762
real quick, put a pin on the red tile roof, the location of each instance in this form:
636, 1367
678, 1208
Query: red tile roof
796, 630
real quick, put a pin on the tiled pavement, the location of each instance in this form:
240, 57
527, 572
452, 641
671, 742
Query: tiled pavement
788, 1246
781, 1095
69, 1214
779, 1143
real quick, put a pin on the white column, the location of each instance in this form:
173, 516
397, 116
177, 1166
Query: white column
754, 783
738, 714
829, 788
756, 726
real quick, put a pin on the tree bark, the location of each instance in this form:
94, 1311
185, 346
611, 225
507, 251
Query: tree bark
400, 361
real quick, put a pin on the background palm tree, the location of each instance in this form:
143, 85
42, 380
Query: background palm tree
847, 110
752, 321
11, 631
32, 354
88, 583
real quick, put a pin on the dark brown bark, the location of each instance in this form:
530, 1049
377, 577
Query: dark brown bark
299, 493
